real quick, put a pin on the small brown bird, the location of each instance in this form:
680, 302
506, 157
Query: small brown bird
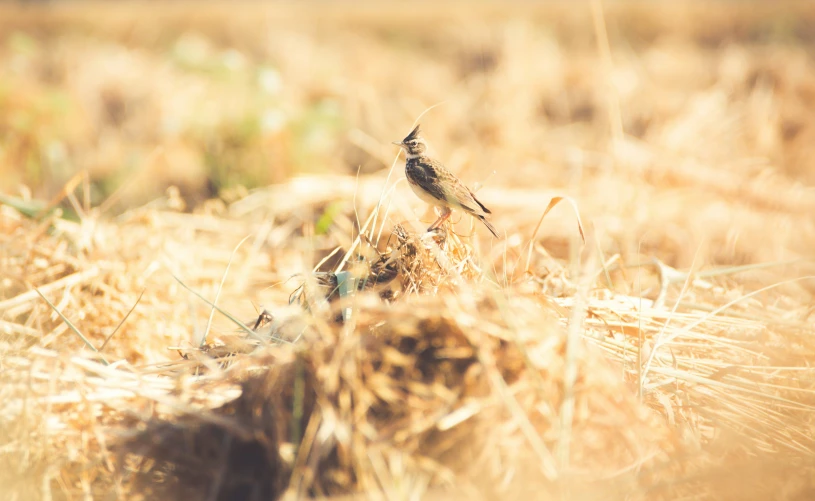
433, 183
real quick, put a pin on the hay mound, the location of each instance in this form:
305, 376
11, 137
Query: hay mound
443, 393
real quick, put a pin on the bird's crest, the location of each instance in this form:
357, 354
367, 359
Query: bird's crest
414, 134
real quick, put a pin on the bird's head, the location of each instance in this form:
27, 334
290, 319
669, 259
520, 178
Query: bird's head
413, 144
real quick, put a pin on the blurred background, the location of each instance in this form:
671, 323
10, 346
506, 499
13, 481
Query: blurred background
683, 130
693, 116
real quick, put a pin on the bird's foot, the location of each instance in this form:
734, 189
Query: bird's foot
445, 215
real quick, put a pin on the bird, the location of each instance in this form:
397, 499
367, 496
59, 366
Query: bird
432, 182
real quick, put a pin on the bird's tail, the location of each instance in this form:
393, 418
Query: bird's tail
489, 226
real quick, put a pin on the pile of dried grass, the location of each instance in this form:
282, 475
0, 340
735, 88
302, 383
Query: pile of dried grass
422, 395
452, 381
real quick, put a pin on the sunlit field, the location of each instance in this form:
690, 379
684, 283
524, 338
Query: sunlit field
216, 283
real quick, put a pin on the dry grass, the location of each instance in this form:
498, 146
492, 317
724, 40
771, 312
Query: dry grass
597, 370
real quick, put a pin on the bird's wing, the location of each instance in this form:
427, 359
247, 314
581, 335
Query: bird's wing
448, 187
428, 176
485, 209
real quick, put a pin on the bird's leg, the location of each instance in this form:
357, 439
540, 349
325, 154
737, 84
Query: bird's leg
445, 215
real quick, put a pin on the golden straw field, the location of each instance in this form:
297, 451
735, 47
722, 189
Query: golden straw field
217, 284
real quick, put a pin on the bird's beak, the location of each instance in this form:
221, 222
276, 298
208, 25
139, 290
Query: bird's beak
397, 143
